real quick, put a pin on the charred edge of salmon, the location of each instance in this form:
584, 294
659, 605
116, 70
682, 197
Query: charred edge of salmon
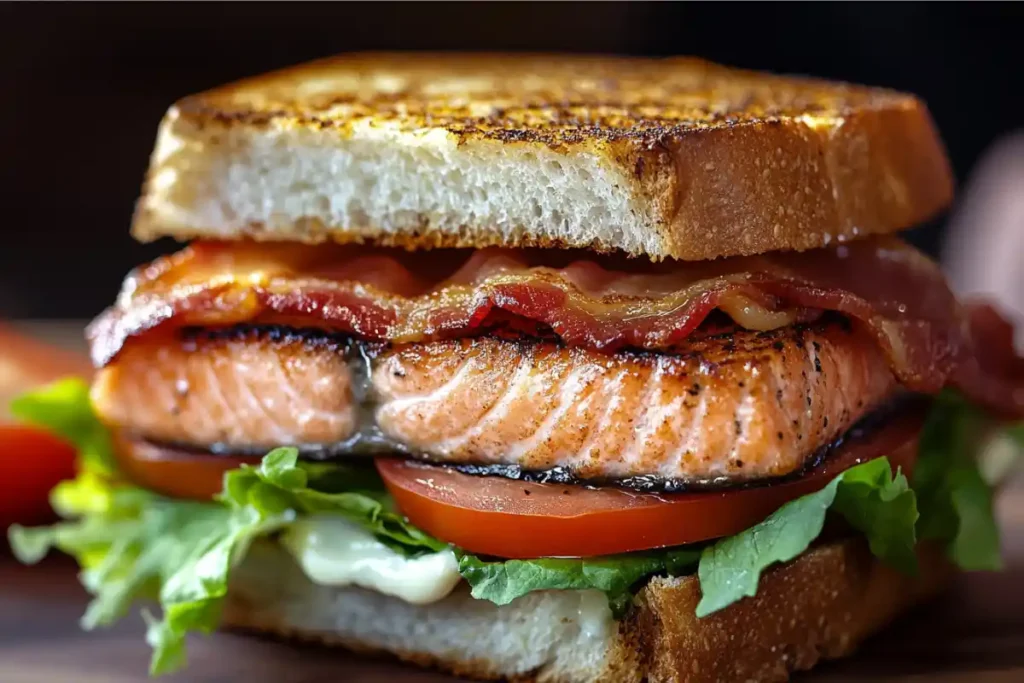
896, 407
362, 446
348, 343
651, 483
715, 328
280, 334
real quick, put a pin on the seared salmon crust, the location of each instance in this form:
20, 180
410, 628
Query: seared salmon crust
736, 406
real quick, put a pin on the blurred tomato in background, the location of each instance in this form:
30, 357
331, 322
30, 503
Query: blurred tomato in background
31, 460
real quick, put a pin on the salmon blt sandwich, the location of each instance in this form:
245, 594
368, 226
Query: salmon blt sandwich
552, 368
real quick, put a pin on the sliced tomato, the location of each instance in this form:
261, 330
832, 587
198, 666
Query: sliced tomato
514, 519
31, 463
173, 472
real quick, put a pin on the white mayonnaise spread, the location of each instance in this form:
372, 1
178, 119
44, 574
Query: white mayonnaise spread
335, 552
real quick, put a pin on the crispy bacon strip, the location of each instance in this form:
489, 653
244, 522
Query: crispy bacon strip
598, 302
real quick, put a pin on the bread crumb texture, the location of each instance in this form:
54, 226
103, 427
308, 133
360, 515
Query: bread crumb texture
819, 606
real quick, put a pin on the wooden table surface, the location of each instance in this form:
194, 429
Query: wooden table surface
975, 632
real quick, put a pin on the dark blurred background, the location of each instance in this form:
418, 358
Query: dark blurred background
84, 87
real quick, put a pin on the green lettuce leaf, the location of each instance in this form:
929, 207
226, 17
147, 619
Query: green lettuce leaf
1016, 433
869, 496
956, 502
282, 483
64, 409
136, 545
502, 581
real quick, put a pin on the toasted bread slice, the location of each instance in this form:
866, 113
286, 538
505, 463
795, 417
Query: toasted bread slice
663, 158
819, 606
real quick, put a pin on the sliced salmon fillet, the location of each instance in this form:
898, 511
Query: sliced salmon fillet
736, 406
739, 406
249, 390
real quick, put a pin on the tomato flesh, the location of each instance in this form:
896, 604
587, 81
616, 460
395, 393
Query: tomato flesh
32, 462
513, 519
173, 472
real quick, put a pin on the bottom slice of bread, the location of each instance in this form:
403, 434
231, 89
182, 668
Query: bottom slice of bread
820, 605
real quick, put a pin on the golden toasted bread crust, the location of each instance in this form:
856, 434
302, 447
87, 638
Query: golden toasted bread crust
819, 606
715, 161
556, 100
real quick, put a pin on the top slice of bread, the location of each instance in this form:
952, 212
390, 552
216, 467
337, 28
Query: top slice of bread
655, 157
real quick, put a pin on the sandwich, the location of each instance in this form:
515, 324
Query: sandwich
553, 368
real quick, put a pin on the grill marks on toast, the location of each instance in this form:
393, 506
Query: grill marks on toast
504, 98
738, 406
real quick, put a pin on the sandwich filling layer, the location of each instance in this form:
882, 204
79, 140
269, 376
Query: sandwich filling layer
243, 394
333, 551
